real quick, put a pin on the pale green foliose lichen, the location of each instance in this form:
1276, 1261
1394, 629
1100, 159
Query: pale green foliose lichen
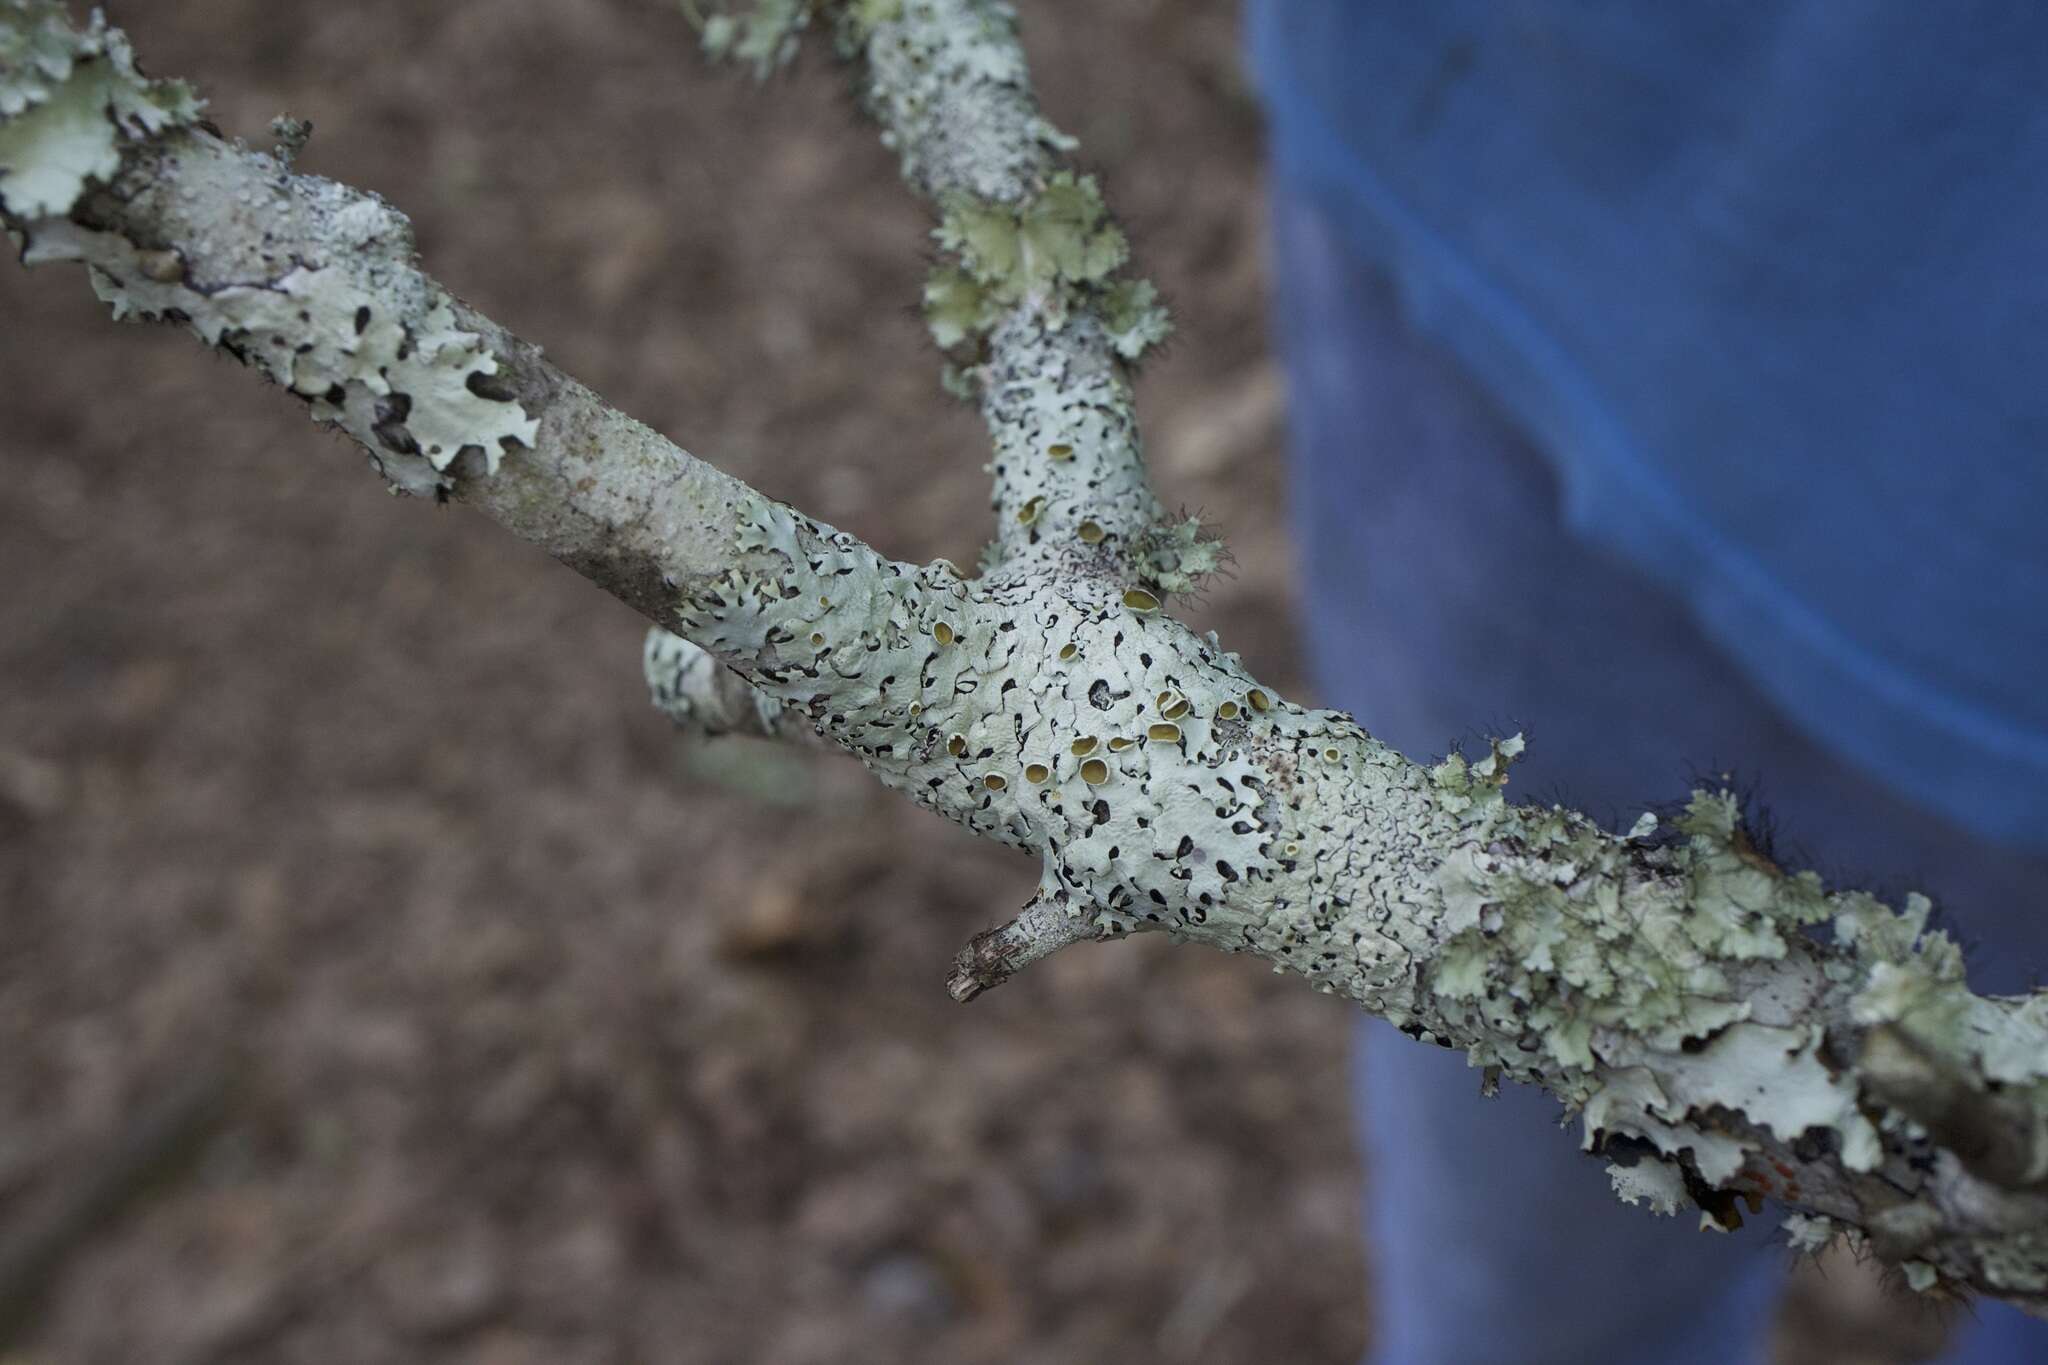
1134, 317
1809, 1234
308, 282
955, 307
865, 15
1567, 968
69, 98
1079, 737
1743, 905
1911, 980
1176, 557
1060, 235
1656, 1184
1913, 977
1054, 251
763, 34
2018, 1263
368, 341
960, 381
696, 691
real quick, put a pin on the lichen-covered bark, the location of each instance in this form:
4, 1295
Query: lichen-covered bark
1729, 1032
704, 697
1030, 297
315, 286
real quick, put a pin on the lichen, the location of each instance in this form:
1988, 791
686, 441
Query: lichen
374, 351
1064, 234
1665, 985
1810, 1234
1574, 958
1666, 988
1134, 317
1057, 241
1053, 251
956, 307
1065, 431
1473, 792
1177, 556
70, 99
1653, 1183
762, 34
1090, 737
310, 283
692, 689
949, 86
1912, 976
2018, 1262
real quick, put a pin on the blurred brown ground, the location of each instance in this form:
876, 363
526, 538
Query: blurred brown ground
529, 1033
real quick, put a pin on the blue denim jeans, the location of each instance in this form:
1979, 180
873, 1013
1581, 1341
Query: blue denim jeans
1446, 600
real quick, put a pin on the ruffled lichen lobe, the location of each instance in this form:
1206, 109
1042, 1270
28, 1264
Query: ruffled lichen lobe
71, 101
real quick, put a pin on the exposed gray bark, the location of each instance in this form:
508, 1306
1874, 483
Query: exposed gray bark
1665, 986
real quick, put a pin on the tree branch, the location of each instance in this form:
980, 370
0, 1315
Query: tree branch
1668, 988
704, 697
1031, 298
1040, 929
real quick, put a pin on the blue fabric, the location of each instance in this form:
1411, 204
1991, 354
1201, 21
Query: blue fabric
1769, 284
1450, 601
